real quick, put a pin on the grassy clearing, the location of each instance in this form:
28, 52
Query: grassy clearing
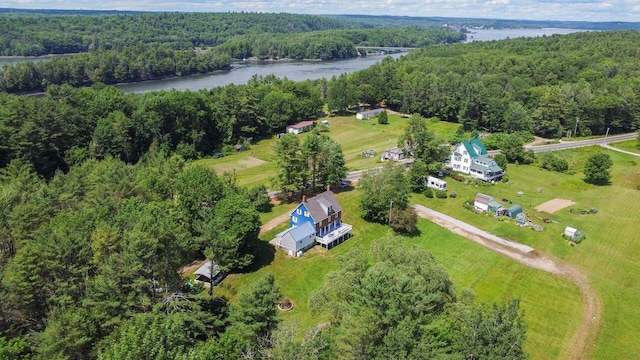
609, 254
551, 304
353, 135
631, 145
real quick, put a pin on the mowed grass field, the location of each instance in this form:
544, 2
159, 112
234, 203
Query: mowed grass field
628, 146
610, 255
255, 166
552, 305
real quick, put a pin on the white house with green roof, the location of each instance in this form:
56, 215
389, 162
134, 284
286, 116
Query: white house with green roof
485, 168
470, 157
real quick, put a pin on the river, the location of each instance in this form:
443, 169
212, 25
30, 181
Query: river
242, 71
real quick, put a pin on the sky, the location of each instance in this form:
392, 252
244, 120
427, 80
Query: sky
573, 10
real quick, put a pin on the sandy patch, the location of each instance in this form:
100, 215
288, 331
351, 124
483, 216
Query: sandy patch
250, 162
554, 205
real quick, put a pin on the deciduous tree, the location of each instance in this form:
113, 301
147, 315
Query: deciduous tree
596, 170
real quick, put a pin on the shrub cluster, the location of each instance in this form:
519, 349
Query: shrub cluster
552, 162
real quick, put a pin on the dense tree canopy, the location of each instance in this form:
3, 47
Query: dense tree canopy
403, 305
596, 170
383, 189
545, 85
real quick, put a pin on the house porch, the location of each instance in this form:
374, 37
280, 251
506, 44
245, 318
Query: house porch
337, 236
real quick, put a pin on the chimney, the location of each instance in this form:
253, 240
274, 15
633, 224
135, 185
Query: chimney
304, 198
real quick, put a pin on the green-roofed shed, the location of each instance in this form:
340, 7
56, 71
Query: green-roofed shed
513, 211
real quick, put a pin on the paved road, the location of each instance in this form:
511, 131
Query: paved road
581, 143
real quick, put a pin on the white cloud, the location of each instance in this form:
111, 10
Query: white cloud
589, 10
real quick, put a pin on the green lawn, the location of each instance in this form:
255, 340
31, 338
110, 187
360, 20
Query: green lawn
609, 255
631, 145
353, 135
552, 305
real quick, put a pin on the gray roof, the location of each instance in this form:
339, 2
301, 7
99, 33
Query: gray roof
301, 125
395, 150
205, 270
299, 232
320, 204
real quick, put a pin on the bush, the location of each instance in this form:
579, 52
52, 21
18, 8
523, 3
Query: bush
505, 178
383, 119
441, 194
552, 162
428, 193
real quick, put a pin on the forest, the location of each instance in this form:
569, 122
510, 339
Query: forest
589, 82
113, 49
100, 209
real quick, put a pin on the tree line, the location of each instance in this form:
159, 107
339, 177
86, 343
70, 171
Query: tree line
332, 44
68, 125
35, 34
129, 64
586, 82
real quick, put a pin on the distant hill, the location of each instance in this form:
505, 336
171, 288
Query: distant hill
405, 21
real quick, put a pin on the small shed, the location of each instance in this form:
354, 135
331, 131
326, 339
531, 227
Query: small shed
513, 211
207, 276
484, 202
436, 184
521, 219
573, 234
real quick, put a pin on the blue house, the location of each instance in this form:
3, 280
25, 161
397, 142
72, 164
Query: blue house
324, 215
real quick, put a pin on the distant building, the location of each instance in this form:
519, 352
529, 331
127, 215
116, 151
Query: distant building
300, 127
393, 154
364, 115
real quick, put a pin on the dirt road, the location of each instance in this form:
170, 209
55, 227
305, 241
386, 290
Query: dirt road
269, 225
584, 338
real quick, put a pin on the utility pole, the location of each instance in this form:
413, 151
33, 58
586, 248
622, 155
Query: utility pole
575, 130
604, 141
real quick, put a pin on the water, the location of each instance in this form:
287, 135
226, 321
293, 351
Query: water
501, 34
17, 59
242, 71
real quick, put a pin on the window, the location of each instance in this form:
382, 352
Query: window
294, 219
299, 211
306, 214
466, 160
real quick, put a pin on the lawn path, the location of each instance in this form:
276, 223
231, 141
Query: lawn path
621, 150
269, 225
584, 338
